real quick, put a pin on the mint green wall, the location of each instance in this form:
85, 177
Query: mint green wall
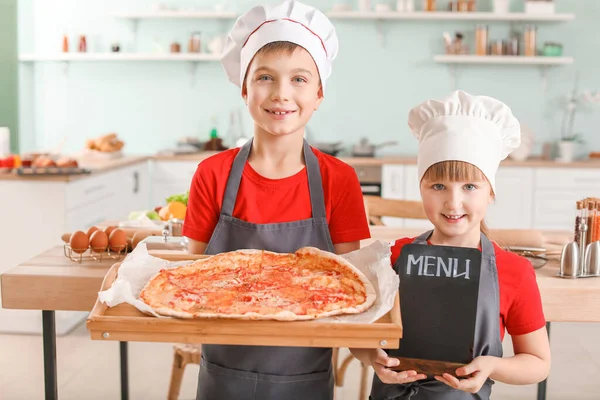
372, 88
8, 69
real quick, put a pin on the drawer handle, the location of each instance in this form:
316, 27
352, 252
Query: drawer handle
136, 182
93, 189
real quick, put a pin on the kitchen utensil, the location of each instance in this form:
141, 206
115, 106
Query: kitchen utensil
592, 258
365, 149
329, 148
569, 261
582, 244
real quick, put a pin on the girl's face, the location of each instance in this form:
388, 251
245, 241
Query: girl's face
282, 91
456, 209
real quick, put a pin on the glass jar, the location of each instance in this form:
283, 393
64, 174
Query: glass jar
463, 5
529, 41
481, 40
429, 5
512, 46
194, 45
497, 48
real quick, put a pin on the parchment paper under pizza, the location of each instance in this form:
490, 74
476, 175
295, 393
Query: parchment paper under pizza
359, 287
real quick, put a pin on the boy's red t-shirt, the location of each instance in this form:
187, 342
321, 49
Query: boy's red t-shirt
261, 200
520, 301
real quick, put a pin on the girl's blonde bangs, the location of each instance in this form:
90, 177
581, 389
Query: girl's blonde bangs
454, 171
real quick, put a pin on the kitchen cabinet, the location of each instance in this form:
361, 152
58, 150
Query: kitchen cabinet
513, 206
171, 177
38, 212
392, 187
556, 192
527, 197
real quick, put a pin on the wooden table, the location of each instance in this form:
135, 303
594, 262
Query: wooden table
51, 282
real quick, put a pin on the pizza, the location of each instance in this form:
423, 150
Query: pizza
257, 284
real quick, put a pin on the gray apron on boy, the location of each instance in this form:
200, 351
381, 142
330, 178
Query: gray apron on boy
260, 372
487, 338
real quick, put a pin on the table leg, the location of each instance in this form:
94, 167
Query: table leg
49, 340
541, 392
124, 371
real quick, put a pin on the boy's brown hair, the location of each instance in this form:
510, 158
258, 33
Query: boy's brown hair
278, 47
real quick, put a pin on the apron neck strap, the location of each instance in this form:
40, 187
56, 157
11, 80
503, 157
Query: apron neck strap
317, 199
487, 248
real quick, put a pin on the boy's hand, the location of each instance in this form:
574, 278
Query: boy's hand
479, 370
380, 362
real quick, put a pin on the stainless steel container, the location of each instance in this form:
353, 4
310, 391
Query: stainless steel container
569, 261
592, 258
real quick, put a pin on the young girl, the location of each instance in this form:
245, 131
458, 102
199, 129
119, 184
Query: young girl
462, 140
275, 193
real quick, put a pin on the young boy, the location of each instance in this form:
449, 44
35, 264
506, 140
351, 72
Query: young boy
462, 140
275, 193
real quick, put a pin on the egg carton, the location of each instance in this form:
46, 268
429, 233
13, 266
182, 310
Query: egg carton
90, 255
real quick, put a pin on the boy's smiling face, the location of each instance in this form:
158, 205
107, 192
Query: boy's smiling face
282, 90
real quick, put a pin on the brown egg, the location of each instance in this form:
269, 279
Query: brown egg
79, 242
117, 240
99, 241
90, 231
108, 230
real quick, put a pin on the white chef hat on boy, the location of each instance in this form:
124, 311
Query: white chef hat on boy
289, 21
479, 130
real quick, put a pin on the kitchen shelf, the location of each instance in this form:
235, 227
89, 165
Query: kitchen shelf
514, 60
450, 16
94, 57
177, 14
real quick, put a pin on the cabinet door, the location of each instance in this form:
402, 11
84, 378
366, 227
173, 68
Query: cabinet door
556, 194
174, 171
513, 206
134, 189
412, 189
392, 187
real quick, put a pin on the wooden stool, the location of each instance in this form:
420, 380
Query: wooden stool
338, 373
184, 354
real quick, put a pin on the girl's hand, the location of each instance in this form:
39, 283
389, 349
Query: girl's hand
479, 370
380, 362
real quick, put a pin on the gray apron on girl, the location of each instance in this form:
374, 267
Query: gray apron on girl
260, 372
487, 338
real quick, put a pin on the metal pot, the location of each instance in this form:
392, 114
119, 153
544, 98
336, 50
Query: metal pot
329, 148
365, 149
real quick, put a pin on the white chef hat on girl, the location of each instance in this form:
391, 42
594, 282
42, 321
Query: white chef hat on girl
289, 21
479, 130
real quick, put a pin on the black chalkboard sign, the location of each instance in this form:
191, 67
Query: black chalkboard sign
439, 287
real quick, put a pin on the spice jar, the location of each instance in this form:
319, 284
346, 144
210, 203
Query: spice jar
529, 41
65, 44
194, 44
497, 48
472, 6
481, 40
82, 44
463, 5
175, 47
512, 46
429, 5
